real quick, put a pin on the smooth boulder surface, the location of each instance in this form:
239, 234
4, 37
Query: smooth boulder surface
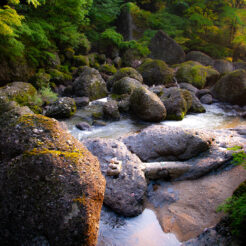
124, 193
164, 48
164, 143
231, 88
147, 105
50, 185
90, 84
200, 57
111, 110
62, 108
155, 72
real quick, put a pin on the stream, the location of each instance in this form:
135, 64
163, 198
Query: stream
145, 229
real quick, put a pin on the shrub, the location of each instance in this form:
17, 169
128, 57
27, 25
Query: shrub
47, 95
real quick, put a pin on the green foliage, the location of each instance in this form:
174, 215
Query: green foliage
47, 95
112, 37
239, 156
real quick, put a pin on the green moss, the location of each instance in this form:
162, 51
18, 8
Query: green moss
193, 73
73, 156
59, 76
108, 69
176, 117
69, 52
41, 79
97, 90
97, 115
81, 60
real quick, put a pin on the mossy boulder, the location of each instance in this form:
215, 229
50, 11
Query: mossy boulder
69, 53
90, 84
125, 85
108, 69
195, 74
231, 88
51, 185
200, 57
165, 48
175, 102
147, 106
80, 60
24, 94
124, 72
64, 107
111, 110
155, 72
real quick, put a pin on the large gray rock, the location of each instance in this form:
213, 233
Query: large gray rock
188, 87
231, 88
156, 72
111, 110
64, 107
165, 48
50, 184
147, 105
199, 57
124, 193
163, 143
90, 84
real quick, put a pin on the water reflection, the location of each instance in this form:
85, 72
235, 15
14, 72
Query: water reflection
143, 230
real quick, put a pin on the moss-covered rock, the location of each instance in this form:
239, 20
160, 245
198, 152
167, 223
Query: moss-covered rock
24, 94
195, 74
125, 85
69, 53
156, 72
111, 110
124, 72
231, 88
223, 66
81, 60
108, 69
90, 84
175, 103
64, 107
147, 105
51, 185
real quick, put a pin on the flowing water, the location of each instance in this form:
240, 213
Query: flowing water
145, 230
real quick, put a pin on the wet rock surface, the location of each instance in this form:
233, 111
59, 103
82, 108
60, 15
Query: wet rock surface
163, 143
124, 193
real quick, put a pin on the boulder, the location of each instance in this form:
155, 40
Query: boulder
200, 57
64, 107
146, 105
125, 85
50, 185
155, 72
231, 88
223, 66
163, 143
196, 106
111, 111
175, 102
20, 92
124, 193
83, 126
90, 84
196, 74
165, 48
206, 99
124, 72
202, 92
